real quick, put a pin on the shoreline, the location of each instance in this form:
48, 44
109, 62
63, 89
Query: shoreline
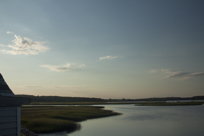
50, 119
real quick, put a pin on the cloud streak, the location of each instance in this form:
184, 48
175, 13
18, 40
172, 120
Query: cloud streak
179, 74
107, 58
63, 68
23, 46
9, 32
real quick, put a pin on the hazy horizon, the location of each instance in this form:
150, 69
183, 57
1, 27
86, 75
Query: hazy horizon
103, 48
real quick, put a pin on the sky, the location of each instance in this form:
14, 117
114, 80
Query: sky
103, 48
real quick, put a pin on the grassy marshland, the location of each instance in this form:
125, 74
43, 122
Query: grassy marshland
168, 103
49, 119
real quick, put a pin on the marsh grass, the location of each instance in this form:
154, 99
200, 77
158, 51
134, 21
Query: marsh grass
46, 119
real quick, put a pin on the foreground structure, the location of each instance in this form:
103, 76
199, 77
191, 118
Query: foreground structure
10, 113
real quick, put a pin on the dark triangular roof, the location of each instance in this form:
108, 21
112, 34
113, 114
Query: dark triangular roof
4, 88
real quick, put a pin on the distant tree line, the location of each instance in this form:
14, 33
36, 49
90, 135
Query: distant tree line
87, 99
162, 99
60, 99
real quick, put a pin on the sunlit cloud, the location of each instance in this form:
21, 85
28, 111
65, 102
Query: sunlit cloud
108, 58
23, 46
9, 32
178, 74
63, 68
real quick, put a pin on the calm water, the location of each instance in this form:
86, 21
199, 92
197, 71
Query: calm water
146, 121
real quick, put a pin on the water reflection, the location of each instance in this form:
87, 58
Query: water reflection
151, 114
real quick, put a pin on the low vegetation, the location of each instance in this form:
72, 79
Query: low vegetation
47, 119
168, 103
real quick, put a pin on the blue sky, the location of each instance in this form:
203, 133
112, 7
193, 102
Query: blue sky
103, 48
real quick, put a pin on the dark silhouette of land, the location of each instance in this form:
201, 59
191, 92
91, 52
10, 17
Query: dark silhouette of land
86, 100
60, 99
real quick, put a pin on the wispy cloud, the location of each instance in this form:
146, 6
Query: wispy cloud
63, 68
108, 58
23, 46
179, 74
9, 32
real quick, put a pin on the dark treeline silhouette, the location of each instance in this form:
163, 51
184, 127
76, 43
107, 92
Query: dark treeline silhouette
86, 99
162, 99
60, 99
